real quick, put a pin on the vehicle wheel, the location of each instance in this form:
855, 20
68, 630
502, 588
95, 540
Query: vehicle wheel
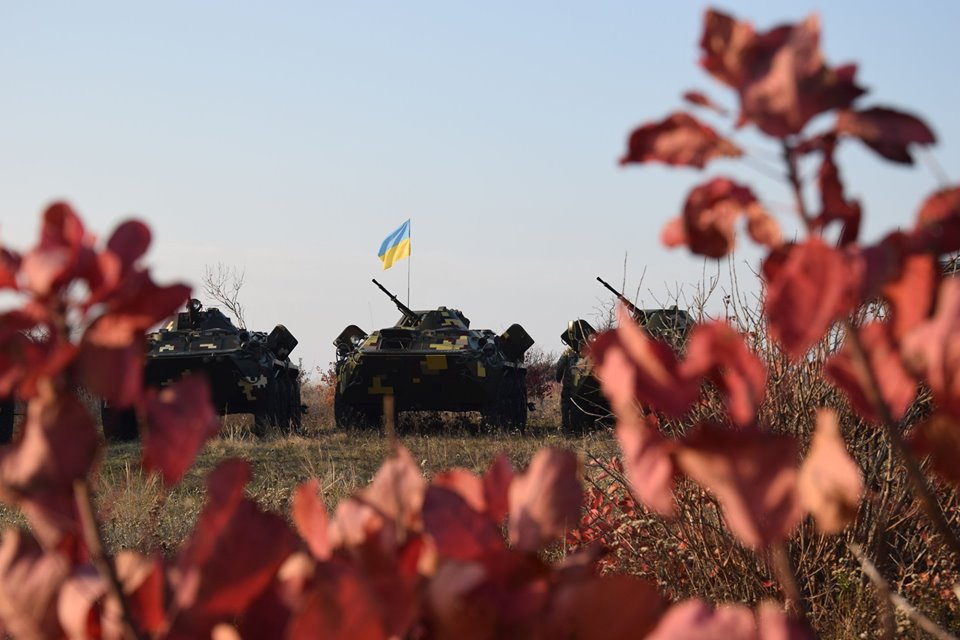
350, 418
265, 413
119, 425
296, 413
510, 410
6, 421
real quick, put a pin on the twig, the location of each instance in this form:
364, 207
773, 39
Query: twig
783, 567
896, 599
793, 176
918, 482
934, 166
98, 555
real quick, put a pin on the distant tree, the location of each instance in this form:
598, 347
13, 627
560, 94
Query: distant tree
222, 284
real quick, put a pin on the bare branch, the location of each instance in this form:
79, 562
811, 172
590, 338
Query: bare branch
222, 284
898, 601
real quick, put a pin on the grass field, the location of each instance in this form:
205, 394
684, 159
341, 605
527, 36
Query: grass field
138, 513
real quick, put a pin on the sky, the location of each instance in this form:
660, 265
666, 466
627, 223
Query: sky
287, 139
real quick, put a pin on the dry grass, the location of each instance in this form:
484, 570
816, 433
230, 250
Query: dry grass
137, 512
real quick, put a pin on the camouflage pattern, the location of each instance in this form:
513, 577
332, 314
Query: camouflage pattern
582, 404
249, 371
431, 360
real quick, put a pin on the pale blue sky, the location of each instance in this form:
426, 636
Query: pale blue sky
290, 138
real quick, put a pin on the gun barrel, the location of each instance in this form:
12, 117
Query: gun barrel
632, 307
404, 309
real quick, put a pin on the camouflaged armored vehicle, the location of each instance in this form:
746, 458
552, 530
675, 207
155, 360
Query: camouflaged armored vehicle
582, 404
431, 360
249, 371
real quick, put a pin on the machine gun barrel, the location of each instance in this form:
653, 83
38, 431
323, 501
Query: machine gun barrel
404, 309
633, 309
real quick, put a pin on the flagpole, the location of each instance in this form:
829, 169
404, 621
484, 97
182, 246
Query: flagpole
409, 259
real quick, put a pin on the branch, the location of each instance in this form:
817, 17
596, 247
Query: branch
793, 176
223, 286
918, 482
898, 601
787, 577
100, 558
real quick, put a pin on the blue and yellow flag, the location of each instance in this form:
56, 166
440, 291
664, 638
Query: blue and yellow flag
396, 246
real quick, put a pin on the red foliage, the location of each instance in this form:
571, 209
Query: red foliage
181, 419
886, 131
753, 473
709, 215
780, 75
679, 140
809, 286
701, 100
412, 558
897, 388
831, 485
717, 352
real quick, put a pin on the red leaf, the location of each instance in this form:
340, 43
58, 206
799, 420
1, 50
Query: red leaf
129, 242
938, 222
29, 583
648, 462
311, 520
502, 597
397, 490
79, 604
701, 100
142, 579
605, 608
834, 207
110, 361
809, 286
339, 607
697, 620
545, 500
781, 76
180, 419
932, 349
9, 266
459, 530
19, 355
63, 253
710, 213
679, 140
886, 131
831, 485
39, 469
897, 387
727, 46
633, 367
465, 484
775, 624
138, 303
911, 295
939, 438
496, 487
217, 575
715, 350
754, 475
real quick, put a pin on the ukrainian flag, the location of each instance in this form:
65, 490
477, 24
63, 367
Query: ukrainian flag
396, 246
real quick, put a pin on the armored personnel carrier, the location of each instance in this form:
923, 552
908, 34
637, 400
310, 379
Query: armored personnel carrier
431, 360
582, 404
249, 371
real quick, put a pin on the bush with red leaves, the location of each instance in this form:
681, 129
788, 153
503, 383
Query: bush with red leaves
409, 558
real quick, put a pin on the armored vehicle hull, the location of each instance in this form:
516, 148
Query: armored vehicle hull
248, 371
431, 361
582, 404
